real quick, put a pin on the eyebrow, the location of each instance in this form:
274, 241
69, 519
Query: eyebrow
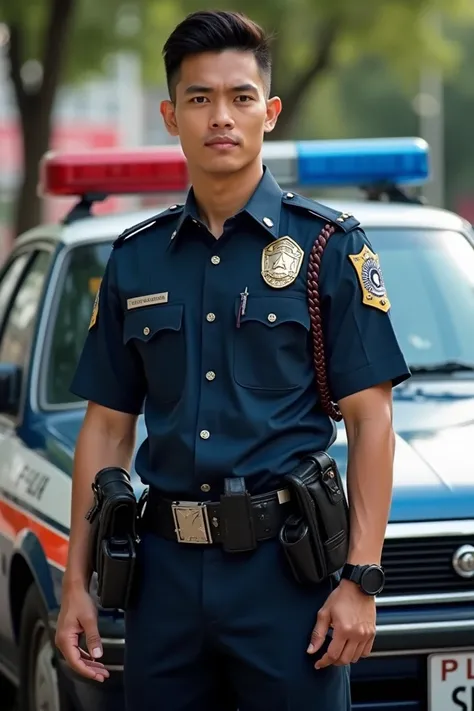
198, 89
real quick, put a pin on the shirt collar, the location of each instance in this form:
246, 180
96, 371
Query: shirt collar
264, 206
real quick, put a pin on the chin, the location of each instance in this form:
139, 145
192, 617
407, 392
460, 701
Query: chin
226, 164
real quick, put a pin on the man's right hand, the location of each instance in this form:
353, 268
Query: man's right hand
78, 615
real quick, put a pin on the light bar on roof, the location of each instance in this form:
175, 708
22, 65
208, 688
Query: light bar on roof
363, 162
114, 172
357, 162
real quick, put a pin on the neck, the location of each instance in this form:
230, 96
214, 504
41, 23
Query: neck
220, 197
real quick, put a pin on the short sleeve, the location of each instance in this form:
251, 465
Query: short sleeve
109, 372
360, 343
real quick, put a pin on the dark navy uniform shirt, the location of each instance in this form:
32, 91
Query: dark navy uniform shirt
226, 381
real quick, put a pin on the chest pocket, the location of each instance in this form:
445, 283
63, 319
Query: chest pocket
272, 346
157, 332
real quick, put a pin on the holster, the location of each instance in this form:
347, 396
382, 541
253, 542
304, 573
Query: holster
113, 536
315, 536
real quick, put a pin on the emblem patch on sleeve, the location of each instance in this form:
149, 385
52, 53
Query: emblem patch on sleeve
95, 311
369, 272
281, 262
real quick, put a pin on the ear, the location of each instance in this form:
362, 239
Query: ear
274, 107
169, 117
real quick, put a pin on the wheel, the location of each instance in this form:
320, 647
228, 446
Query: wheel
39, 683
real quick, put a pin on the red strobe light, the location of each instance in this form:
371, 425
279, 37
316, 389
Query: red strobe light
114, 172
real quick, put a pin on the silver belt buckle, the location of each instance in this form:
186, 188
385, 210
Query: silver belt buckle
191, 522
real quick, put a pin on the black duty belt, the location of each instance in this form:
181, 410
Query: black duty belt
237, 521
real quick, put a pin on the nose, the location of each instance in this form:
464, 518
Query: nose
221, 117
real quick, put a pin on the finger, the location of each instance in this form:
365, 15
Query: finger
358, 653
87, 657
93, 664
368, 647
334, 652
320, 630
81, 666
348, 653
93, 640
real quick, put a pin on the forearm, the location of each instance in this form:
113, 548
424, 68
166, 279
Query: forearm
369, 480
98, 446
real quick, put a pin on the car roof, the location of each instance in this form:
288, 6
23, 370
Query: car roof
370, 215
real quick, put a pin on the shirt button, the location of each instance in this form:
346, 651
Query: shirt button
272, 318
211, 317
146, 331
204, 434
210, 375
205, 488
215, 259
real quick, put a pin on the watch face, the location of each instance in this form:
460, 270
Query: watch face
372, 581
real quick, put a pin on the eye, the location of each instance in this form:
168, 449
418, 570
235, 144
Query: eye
244, 98
198, 99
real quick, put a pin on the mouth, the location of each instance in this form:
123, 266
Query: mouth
221, 143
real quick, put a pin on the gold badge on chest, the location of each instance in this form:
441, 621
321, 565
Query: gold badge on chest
281, 262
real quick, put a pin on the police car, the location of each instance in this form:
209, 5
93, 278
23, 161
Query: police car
424, 652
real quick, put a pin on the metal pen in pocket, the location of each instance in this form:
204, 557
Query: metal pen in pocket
243, 305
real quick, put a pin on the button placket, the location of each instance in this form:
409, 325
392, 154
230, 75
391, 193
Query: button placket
212, 333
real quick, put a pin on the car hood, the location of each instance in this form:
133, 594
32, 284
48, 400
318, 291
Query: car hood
434, 462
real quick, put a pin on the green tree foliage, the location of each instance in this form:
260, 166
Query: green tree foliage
51, 41
312, 39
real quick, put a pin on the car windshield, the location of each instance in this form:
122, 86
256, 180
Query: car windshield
429, 276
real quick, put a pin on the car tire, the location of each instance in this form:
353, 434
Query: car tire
40, 685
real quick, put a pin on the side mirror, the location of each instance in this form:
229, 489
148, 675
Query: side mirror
10, 388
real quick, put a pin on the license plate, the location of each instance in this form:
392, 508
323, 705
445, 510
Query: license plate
451, 682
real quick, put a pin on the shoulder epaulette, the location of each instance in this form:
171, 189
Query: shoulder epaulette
146, 224
342, 220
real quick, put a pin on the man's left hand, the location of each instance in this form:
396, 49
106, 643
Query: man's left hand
351, 614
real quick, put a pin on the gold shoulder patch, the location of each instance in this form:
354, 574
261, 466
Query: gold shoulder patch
281, 262
95, 311
369, 272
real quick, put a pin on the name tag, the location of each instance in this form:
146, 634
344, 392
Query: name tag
149, 300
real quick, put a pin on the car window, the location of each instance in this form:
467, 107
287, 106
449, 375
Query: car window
429, 276
9, 281
78, 289
21, 320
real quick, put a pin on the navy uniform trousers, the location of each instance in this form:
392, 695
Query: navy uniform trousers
215, 631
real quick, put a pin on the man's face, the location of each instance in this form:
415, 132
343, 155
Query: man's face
220, 112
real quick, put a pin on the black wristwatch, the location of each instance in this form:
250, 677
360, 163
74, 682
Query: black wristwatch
370, 578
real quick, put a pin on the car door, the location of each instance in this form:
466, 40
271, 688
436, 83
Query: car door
21, 287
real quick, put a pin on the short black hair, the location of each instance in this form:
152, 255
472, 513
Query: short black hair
216, 31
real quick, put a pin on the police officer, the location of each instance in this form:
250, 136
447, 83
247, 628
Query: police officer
202, 319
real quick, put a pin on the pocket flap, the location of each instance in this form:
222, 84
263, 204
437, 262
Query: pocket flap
145, 323
275, 310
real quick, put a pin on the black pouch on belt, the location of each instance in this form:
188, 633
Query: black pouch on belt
113, 536
315, 537
238, 528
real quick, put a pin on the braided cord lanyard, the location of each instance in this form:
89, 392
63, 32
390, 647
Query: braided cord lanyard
314, 266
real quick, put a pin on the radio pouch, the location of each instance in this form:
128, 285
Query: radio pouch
315, 536
113, 536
